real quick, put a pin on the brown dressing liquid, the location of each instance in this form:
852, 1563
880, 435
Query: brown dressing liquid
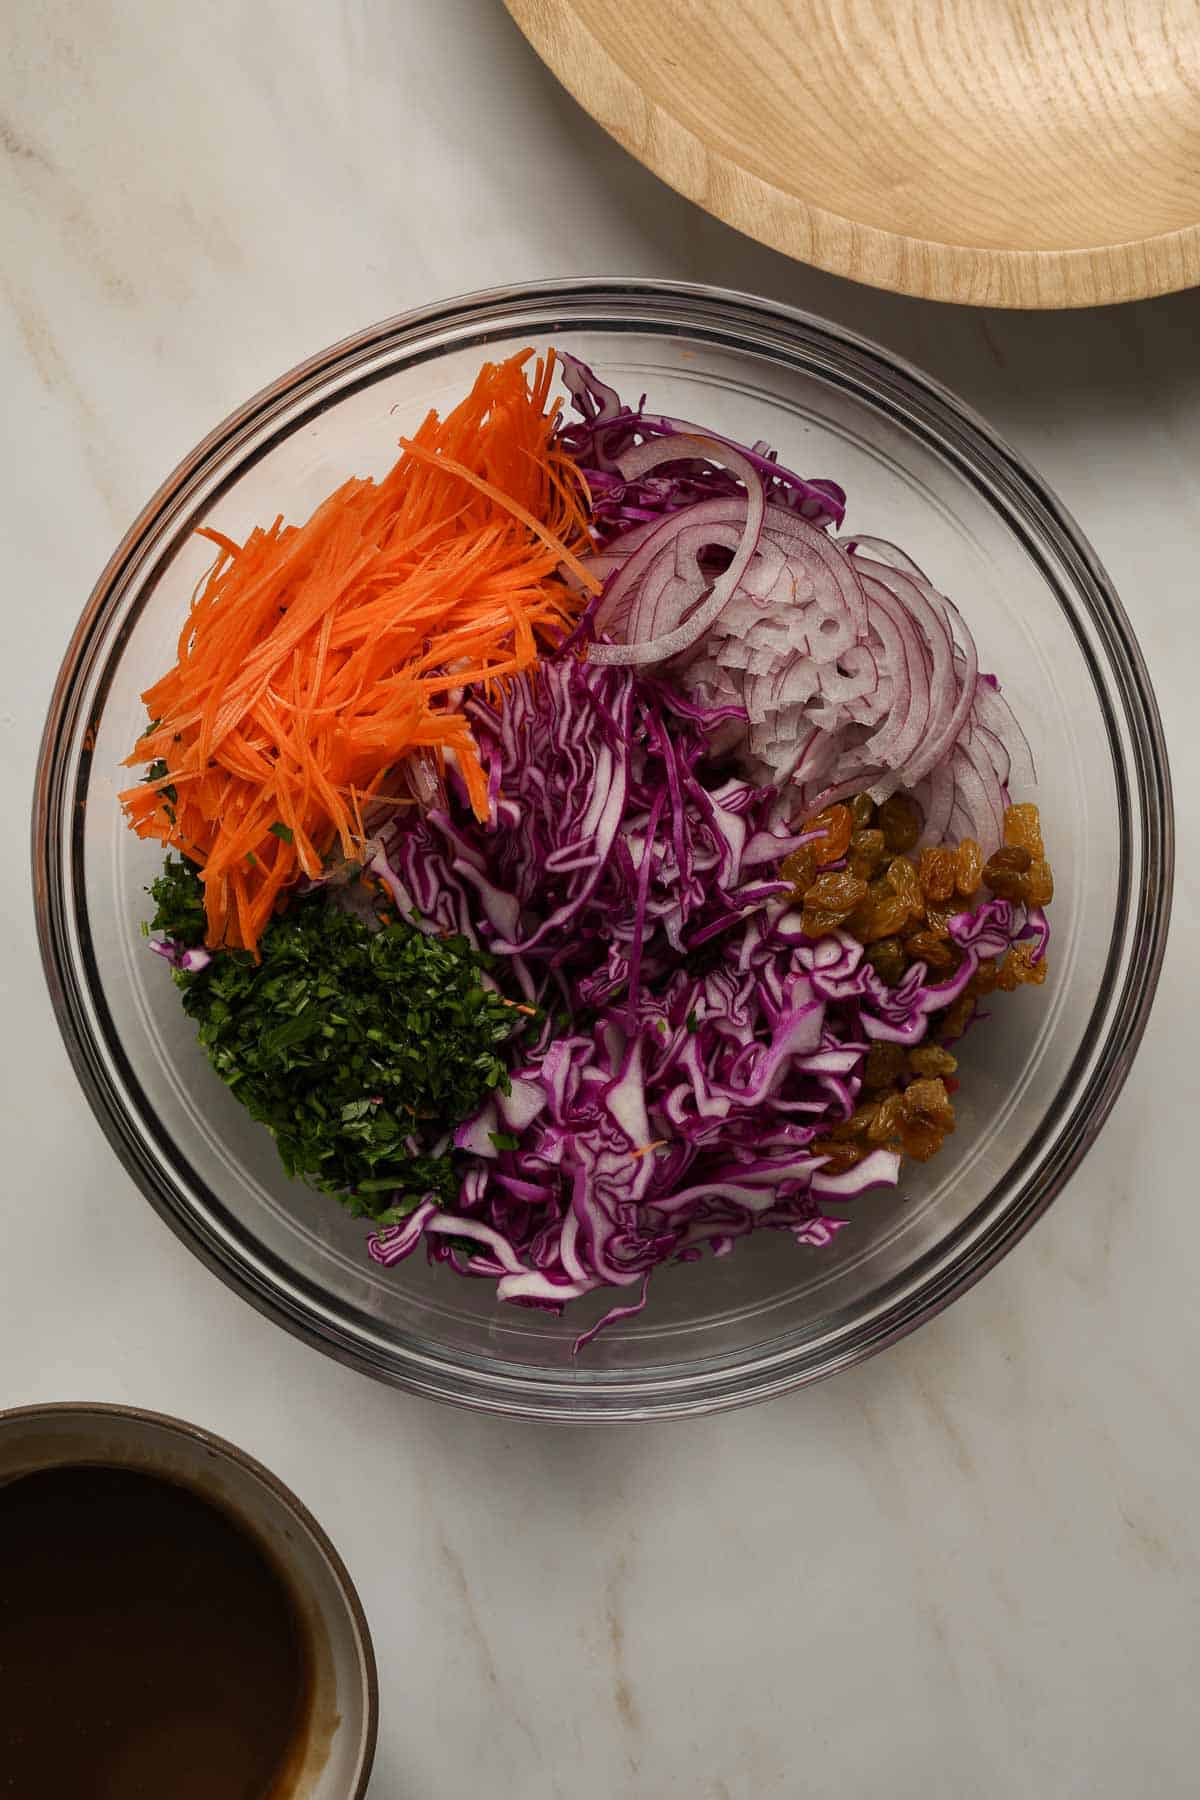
148, 1648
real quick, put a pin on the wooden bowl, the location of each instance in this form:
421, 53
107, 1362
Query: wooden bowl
1039, 153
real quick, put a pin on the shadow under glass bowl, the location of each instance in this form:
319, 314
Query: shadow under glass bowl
1037, 1080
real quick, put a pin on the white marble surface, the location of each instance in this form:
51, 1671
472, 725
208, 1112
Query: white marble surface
967, 1569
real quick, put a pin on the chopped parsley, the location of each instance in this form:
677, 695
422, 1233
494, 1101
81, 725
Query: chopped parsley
178, 897
158, 771
359, 1048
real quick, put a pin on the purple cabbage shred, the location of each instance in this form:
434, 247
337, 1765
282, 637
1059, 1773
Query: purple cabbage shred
696, 1042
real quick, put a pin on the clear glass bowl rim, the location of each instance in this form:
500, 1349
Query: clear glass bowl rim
1139, 934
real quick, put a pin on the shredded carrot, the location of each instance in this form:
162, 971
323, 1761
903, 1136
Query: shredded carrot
316, 658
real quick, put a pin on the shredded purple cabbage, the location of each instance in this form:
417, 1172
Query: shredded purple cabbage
606, 428
697, 1041
191, 959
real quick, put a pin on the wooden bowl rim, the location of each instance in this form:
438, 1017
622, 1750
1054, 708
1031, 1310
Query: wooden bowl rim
928, 269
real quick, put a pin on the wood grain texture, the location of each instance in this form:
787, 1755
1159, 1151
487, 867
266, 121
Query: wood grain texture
1036, 153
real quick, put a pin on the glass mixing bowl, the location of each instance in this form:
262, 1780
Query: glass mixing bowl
1037, 1080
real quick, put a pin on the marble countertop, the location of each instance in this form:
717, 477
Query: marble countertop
969, 1568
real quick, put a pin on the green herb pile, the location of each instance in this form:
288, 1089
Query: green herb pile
350, 1041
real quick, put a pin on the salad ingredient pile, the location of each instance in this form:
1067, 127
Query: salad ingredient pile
596, 858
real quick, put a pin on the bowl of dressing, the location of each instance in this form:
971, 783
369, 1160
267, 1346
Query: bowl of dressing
172, 1619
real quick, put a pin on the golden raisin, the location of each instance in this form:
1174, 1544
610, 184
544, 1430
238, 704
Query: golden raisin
887, 918
838, 1156
837, 891
884, 1065
856, 1125
1022, 827
867, 851
817, 924
862, 812
935, 952
886, 1123
1008, 976
859, 922
1039, 883
1012, 857
937, 920
1020, 958
799, 867
888, 960
968, 867
1005, 871
927, 1099
937, 871
835, 827
902, 879
956, 1018
985, 979
931, 1059
900, 822
920, 1140
915, 1121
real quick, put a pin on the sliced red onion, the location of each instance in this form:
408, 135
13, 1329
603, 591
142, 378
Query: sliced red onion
853, 671
884, 552
935, 796
635, 559
936, 651
978, 796
671, 642
994, 714
897, 738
